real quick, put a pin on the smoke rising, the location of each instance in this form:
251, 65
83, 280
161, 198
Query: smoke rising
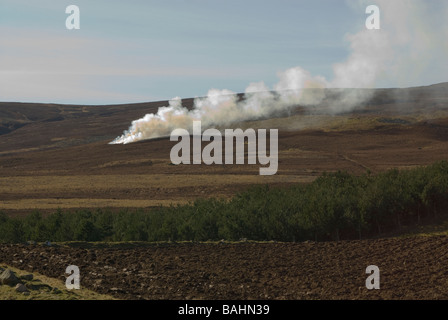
410, 40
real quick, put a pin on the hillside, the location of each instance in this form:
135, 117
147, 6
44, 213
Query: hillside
59, 156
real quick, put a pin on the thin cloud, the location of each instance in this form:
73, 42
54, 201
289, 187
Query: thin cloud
36, 65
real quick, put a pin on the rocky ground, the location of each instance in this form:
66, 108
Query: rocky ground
410, 269
17, 284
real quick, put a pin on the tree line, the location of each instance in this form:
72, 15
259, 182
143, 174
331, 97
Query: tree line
336, 206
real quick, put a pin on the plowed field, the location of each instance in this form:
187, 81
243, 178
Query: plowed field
410, 268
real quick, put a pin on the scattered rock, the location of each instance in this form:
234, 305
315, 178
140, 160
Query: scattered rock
21, 288
309, 242
27, 277
98, 283
8, 277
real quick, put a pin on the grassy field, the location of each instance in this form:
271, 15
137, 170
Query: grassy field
118, 191
45, 288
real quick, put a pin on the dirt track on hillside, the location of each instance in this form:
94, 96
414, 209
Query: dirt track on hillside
410, 269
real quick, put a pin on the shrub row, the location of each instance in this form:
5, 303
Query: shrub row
335, 206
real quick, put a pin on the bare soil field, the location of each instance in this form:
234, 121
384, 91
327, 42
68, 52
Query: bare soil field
55, 156
410, 269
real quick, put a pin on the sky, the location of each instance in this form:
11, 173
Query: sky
149, 50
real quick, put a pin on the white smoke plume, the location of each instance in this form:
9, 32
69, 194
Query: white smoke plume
223, 107
407, 43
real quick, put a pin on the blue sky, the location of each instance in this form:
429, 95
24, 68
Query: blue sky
142, 50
